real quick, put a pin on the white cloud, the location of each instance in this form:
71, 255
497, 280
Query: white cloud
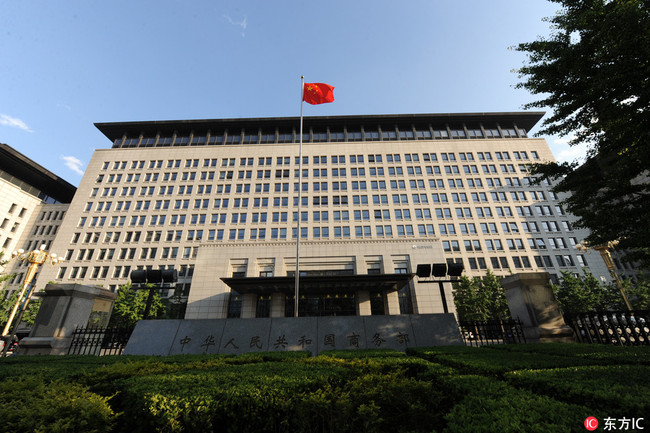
565, 153
73, 164
243, 24
13, 122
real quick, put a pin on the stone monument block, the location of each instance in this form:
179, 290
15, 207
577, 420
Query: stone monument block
294, 333
435, 330
530, 298
341, 333
66, 307
314, 334
155, 346
254, 337
389, 332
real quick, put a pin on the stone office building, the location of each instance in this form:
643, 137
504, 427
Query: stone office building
33, 202
223, 200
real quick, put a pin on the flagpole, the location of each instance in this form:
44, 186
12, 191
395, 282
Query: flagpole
297, 277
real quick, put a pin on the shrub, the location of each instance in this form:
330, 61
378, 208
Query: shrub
623, 390
493, 362
30, 405
488, 405
363, 353
599, 353
291, 396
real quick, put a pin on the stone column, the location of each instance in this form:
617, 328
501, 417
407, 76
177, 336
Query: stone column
278, 303
249, 306
391, 306
363, 303
530, 299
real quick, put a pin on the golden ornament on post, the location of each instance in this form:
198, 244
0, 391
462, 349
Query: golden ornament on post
35, 259
607, 258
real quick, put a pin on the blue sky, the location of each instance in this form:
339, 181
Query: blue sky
65, 65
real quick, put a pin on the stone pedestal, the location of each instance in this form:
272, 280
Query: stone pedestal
531, 299
64, 308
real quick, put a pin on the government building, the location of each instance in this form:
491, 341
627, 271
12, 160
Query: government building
33, 202
223, 201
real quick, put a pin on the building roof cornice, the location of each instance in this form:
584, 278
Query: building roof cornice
116, 130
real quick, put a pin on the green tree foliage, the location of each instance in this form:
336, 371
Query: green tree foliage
593, 72
480, 299
130, 305
579, 294
7, 301
638, 292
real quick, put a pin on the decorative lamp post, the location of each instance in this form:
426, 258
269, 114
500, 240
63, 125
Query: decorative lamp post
35, 259
607, 258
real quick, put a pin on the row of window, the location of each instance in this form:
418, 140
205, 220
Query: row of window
323, 216
172, 252
522, 262
45, 230
9, 225
475, 263
317, 215
319, 160
190, 176
236, 137
335, 186
325, 200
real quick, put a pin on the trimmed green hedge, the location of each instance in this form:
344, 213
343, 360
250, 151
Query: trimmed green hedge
496, 362
457, 389
488, 405
363, 353
623, 389
603, 353
289, 396
30, 405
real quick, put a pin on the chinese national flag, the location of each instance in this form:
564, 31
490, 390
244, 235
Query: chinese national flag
318, 93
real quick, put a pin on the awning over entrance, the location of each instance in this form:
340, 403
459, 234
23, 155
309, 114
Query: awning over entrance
312, 284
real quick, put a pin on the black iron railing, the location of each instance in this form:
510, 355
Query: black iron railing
622, 328
99, 341
492, 332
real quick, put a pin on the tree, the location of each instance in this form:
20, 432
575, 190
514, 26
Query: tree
130, 304
638, 293
480, 299
580, 294
594, 73
6, 302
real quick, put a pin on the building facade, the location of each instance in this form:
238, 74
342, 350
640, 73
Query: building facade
223, 201
33, 202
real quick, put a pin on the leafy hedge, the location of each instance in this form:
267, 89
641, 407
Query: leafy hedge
290, 396
509, 388
603, 353
622, 389
30, 405
486, 361
489, 405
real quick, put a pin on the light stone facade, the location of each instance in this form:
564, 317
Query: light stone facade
216, 198
33, 202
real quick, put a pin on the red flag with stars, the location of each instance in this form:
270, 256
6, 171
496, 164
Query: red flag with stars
318, 93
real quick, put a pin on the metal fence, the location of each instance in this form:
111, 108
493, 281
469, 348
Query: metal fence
99, 341
622, 328
492, 332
